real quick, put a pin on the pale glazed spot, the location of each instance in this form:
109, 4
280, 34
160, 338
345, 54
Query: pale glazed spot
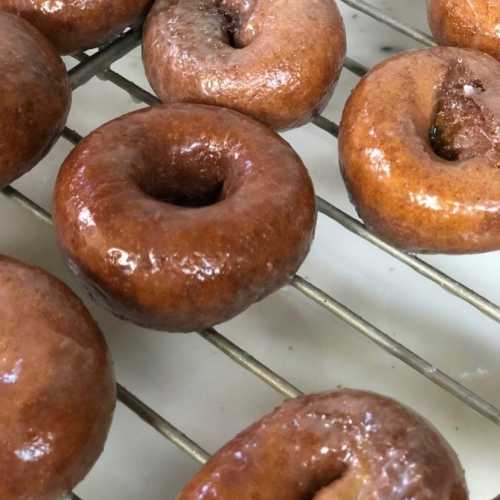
471, 24
75, 25
34, 97
421, 160
194, 214
57, 390
333, 446
275, 60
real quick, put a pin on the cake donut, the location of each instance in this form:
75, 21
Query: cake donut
420, 150
275, 60
76, 25
34, 97
464, 23
334, 446
192, 215
56, 386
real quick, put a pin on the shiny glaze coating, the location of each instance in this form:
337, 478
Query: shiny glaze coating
192, 215
275, 60
471, 24
34, 97
335, 446
56, 386
76, 25
402, 189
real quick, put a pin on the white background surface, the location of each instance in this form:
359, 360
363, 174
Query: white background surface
210, 398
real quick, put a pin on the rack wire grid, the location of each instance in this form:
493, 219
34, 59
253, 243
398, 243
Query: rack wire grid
99, 64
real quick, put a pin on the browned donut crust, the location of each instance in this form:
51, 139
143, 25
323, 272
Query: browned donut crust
466, 24
56, 386
420, 150
195, 213
334, 446
75, 25
275, 60
34, 97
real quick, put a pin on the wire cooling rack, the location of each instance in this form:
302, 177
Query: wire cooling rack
99, 64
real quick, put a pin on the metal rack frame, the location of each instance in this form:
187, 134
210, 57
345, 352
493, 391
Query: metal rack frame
99, 64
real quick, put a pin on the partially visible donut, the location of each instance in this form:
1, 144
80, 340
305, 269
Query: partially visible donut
76, 25
180, 217
335, 446
275, 60
420, 150
57, 390
34, 97
462, 23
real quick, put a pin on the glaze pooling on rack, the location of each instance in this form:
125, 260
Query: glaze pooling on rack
98, 64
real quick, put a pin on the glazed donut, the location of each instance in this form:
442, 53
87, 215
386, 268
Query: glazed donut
334, 446
76, 25
195, 213
56, 386
465, 23
275, 60
420, 150
34, 97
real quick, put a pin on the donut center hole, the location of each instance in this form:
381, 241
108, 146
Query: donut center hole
465, 124
235, 16
191, 198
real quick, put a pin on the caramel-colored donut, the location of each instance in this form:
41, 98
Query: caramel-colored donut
275, 60
471, 24
56, 386
192, 215
76, 25
420, 150
34, 97
334, 446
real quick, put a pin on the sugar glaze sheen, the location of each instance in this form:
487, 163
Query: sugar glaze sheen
331, 446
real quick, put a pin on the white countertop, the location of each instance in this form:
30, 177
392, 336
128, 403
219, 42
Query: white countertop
209, 397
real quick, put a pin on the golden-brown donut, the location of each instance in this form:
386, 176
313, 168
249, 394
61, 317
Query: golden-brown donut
420, 150
56, 386
471, 24
192, 215
34, 97
75, 25
335, 446
275, 60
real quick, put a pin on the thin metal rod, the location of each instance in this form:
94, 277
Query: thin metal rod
96, 63
166, 429
326, 125
74, 496
250, 363
398, 350
443, 280
384, 18
35, 209
355, 67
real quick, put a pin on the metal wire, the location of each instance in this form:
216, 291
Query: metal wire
98, 65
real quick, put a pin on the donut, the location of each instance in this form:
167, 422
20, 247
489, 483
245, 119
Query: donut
194, 213
275, 60
35, 97
56, 386
466, 24
339, 445
419, 148
76, 25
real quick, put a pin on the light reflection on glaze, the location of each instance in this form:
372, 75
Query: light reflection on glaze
354, 444
11, 376
36, 449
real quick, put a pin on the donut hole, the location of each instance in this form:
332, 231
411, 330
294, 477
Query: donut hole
234, 22
464, 125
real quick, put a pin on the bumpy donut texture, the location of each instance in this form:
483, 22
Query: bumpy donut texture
75, 25
471, 24
192, 215
34, 97
56, 386
334, 446
420, 150
275, 60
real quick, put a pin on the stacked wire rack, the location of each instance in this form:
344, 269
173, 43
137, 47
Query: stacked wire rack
99, 64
